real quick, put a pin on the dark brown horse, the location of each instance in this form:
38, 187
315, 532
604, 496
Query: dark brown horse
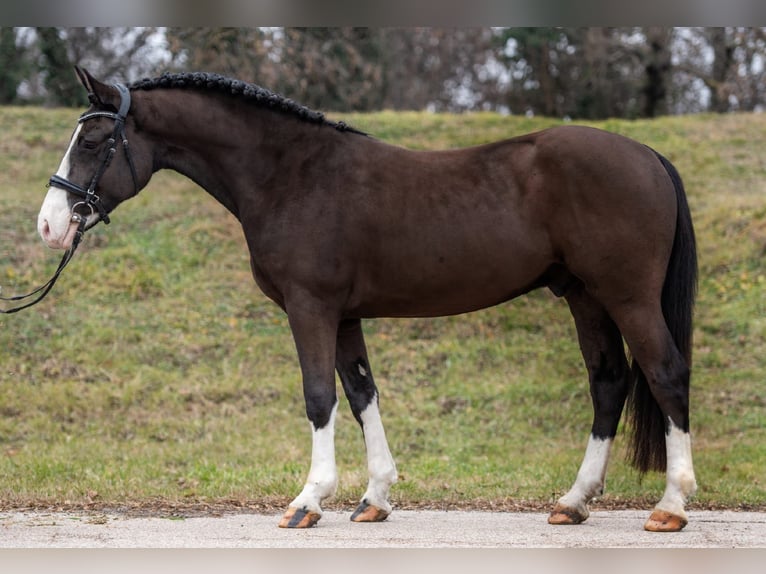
342, 227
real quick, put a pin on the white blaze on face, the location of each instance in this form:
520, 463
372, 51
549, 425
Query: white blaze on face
54, 221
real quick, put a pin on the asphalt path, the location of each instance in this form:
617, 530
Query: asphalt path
403, 529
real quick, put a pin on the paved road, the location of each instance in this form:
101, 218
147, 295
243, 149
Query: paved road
403, 529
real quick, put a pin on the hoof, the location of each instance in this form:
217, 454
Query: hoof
299, 518
566, 515
368, 513
662, 521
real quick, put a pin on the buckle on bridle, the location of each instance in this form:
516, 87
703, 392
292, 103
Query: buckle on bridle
76, 217
88, 196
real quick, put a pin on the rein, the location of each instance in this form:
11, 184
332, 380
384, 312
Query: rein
88, 196
44, 289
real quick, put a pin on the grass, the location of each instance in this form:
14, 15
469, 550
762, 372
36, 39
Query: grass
157, 373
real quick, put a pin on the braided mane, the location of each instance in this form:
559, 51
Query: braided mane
237, 88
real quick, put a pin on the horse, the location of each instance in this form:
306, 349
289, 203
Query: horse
342, 227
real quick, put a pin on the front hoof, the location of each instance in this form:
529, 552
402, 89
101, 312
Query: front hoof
566, 515
663, 521
299, 518
368, 513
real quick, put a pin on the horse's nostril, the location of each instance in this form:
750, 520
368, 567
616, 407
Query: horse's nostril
46, 229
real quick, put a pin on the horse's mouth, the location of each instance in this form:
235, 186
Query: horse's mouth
59, 242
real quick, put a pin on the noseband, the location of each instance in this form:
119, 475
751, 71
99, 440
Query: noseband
88, 196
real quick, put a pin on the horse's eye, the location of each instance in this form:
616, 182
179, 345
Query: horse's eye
89, 144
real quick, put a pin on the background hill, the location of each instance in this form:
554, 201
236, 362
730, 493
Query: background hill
156, 372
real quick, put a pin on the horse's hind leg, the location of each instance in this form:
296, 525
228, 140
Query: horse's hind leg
667, 374
355, 374
602, 349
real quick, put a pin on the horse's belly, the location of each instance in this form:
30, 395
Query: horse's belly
427, 291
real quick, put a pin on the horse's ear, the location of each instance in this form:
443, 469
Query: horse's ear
99, 94
84, 76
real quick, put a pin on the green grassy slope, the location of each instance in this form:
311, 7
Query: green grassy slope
156, 371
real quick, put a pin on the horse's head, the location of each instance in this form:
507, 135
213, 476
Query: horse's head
105, 164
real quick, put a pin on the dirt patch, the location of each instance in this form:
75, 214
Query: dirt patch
276, 505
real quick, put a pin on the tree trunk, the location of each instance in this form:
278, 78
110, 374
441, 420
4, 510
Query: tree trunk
723, 58
658, 70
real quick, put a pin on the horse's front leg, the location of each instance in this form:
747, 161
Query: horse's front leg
315, 330
359, 386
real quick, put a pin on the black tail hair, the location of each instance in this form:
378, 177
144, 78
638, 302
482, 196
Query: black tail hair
678, 293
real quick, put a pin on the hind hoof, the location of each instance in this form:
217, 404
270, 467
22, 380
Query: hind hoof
299, 518
663, 521
564, 515
368, 513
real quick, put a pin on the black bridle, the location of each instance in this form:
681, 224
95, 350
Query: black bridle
88, 196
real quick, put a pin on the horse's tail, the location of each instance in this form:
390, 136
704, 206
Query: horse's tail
678, 294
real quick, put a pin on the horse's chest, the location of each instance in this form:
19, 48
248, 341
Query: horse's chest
266, 282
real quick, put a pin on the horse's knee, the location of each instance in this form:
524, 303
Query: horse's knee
319, 406
358, 385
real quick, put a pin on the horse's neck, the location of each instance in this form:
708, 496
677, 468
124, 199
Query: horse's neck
199, 137
229, 149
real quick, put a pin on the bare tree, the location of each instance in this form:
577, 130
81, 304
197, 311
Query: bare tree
577, 72
346, 68
245, 53
607, 72
112, 53
332, 68
718, 79
657, 64
440, 68
748, 75
533, 63
728, 63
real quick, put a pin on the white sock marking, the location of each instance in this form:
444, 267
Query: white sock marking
380, 463
681, 483
323, 475
590, 478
